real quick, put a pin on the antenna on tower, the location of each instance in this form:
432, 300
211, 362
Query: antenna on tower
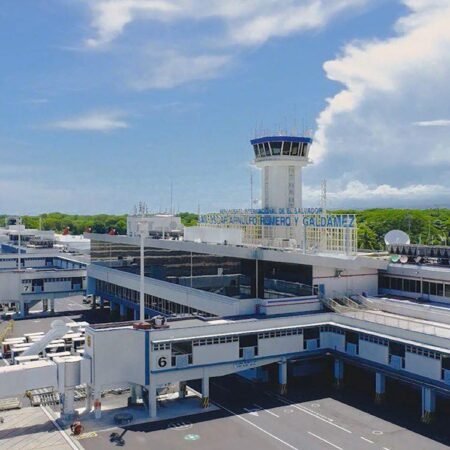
171, 197
323, 196
251, 190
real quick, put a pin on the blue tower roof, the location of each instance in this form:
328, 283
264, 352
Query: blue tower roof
299, 139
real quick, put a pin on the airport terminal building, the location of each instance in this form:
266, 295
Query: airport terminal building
247, 291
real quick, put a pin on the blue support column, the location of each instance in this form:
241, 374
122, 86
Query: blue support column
102, 303
113, 306
205, 391
338, 372
123, 311
380, 387
428, 404
282, 377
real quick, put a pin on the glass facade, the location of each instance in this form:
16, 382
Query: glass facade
160, 305
277, 148
232, 277
424, 287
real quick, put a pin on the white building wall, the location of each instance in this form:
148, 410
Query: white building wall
280, 345
374, 352
161, 355
8, 263
210, 354
10, 286
346, 282
332, 340
119, 357
277, 178
422, 365
58, 286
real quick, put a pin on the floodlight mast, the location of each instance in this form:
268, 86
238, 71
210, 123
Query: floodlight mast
143, 231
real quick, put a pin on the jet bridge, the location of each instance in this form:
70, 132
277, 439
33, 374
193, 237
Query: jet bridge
151, 358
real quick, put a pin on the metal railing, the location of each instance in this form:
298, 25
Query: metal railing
403, 323
333, 305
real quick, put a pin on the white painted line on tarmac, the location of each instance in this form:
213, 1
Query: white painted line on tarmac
267, 411
63, 433
251, 411
324, 440
257, 427
367, 440
314, 414
385, 448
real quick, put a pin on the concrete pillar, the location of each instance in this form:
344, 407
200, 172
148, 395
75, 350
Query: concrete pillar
205, 391
52, 305
123, 312
380, 387
45, 304
338, 372
428, 404
67, 405
135, 394
21, 310
282, 377
182, 390
152, 401
88, 403
97, 403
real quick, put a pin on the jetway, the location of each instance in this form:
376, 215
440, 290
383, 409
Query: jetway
119, 355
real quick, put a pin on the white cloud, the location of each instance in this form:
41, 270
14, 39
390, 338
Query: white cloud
247, 22
360, 194
365, 132
93, 121
203, 55
172, 69
433, 123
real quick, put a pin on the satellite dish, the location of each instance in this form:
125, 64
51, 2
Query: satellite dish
395, 258
396, 237
404, 259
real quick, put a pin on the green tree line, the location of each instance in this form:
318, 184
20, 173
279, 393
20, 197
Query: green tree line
424, 226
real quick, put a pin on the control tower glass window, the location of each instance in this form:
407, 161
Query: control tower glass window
261, 150
294, 151
267, 148
255, 148
302, 149
286, 148
276, 148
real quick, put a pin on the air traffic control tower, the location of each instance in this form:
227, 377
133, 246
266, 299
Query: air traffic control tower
281, 159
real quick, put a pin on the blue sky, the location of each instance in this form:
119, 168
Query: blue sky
105, 103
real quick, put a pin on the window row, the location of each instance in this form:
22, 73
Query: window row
280, 333
374, 339
156, 303
281, 148
423, 352
50, 280
216, 340
415, 286
162, 346
331, 329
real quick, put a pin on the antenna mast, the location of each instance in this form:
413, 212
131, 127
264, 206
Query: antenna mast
251, 190
323, 196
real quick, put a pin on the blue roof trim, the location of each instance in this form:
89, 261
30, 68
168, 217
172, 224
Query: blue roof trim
281, 138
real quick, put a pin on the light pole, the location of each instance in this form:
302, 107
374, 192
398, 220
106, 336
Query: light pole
19, 249
143, 231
